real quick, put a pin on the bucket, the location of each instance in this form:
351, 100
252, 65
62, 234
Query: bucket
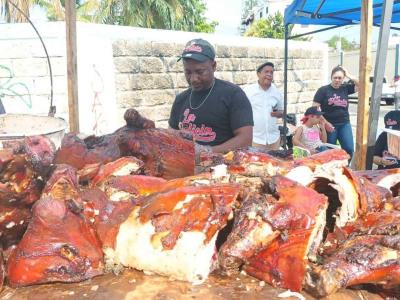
15, 127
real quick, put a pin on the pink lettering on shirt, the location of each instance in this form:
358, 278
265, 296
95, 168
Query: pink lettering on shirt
200, 133
337, 101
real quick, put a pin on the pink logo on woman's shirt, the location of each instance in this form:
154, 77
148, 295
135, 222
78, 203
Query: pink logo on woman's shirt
337, 101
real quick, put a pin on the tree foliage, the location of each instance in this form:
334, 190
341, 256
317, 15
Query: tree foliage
346, 44
11, 14
248, 5
187, 15
271, 27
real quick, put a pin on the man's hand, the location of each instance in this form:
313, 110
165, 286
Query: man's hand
387, 162
198, 149
277, 113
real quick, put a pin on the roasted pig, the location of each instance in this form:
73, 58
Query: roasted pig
60, 244
389, 179
274, 235
251, 163
359, 260
173, 233
165, 153
23, 170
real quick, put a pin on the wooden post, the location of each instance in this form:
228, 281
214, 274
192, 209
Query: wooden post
70, 24
363, 92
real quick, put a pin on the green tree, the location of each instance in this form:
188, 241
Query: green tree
161, 14
346, 44
12, 15
187, 15
248, 5
271, 27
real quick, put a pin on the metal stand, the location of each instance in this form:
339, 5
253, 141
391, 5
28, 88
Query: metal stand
397, 100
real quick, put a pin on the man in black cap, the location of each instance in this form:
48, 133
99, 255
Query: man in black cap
216, 112
382, 157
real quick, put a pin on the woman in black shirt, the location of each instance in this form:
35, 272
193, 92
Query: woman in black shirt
333, 99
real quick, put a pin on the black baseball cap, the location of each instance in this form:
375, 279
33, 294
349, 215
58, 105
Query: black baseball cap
313, 110
392, 120
198, 49
268, 63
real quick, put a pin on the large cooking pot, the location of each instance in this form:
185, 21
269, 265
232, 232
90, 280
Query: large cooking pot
18, 126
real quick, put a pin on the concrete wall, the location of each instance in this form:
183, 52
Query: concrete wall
121, 67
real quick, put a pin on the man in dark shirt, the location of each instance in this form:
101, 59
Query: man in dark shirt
216, 112
382, 157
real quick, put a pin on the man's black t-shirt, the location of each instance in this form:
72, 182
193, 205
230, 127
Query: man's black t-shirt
381, 149
335, 102
213, 122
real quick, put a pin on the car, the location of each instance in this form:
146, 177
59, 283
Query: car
388, 91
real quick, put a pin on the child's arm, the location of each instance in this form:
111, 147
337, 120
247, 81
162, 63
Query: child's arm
322, 133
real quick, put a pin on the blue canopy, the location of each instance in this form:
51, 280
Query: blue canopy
334, 12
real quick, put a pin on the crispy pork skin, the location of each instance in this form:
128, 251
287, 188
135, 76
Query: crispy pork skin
274, 235
173, 233
253, 163
60, 245
2, 271
389, 179
372, 197
79, 153
249, 235
120, 167
23, 171
164, 152
359, 260
14, 220
134, 120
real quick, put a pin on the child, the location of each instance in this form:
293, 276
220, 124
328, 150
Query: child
311, 134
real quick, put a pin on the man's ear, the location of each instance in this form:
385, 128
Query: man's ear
214, 65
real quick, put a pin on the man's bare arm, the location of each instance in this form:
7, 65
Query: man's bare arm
243, 138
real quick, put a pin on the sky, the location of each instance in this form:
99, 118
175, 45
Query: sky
227, 13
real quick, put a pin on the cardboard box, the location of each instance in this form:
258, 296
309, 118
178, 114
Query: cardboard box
393, 140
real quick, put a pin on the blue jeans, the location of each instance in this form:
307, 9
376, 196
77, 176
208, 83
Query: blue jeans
321, 149
344, 134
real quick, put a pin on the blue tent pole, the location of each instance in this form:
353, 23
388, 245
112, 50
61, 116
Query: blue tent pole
285, 78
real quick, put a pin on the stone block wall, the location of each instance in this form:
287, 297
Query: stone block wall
148, 76
121, 67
